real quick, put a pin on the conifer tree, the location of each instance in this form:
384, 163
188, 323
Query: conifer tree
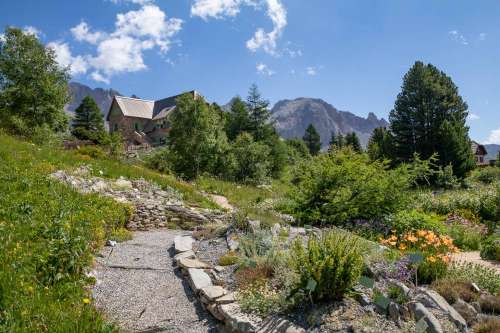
312, 140
88, 123
238, 119
429, 117
259, 114
351, 139
337, 140
380, 146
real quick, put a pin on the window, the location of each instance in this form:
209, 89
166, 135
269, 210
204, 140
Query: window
137, 126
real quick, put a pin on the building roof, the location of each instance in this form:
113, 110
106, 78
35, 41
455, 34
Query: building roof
154, 110
478, 149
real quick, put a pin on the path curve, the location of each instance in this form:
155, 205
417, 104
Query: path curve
138, 288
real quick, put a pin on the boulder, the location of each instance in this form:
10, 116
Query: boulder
420, 311
122, 184
275, 230
466, 310
198, 279
192, 263
438, 301
393, 310
183, 243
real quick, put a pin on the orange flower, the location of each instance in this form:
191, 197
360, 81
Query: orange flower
412, 238
421, 233
402, 247
431, 259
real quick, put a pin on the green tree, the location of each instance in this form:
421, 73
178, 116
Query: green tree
297, 150
380, 146
238, 119
429, 117
33, 88
197, 141
88, 123
337, 140
278, 154
351, 139
252, 159
312, 140
259, 115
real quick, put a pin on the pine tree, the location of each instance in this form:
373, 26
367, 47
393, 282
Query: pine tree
238, 119
351, 139
337, 140
88, 123
312, 140
259, 114
380, 146
429, 117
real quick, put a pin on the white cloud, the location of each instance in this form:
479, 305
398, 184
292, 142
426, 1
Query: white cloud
77, 65
472, 116
32, 31
266, 41
311, 71
263, 69
458, 37
121, 50
82, 33
2, 38
494, 137
482, 36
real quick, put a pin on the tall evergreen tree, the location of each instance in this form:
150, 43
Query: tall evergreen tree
312, 140
88, 123
380, 146
337, 140
33, 88
238, 119
259, 114
351, 139
429, 117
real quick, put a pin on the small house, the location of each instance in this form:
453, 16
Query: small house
480, 153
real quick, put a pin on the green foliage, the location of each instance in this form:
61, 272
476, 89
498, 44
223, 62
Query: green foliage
228, 259
297, 150
429, 117
88, 123
414, 220
428, 271
261, 298
328, 266
259, 115
445, 178
380, 145
33, 89
337, 187
252, 162
48, 233
337, 141
112, 143
486, 278
422, 170
488, 175
159, 160
196, 139
490, 248
238, 119
352, 140
397, 295
312, 140
91, 151
278, 155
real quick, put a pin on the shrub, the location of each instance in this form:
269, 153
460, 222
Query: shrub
490, 325
453, 289
91, 151
328, 266
490, 304
261, 298
247, 276
486, 278
445, 178
228, 259
488, 175
252, 160
342, 185
466, 237
159, 160
397, 295
490, 248
406, 221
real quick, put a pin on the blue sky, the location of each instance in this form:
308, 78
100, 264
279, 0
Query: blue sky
351, 53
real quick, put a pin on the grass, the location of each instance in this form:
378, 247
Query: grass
256, 202
49, 233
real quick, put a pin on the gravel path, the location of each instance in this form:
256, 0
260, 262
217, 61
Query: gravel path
475, 257
138, 288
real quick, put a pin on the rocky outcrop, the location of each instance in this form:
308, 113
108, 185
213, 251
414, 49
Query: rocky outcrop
103, 97
291, 118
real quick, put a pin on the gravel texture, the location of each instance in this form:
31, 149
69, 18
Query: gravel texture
475, 258
139, 289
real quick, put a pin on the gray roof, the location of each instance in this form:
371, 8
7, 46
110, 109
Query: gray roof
140, 108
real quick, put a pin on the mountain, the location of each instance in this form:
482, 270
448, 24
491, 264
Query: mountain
492, 151
291, 118
103, 97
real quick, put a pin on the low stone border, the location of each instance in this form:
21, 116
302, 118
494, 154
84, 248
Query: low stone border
218, 301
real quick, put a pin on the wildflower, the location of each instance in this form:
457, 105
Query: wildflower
431, 259
412, 238
86, 301
402, 246
421, 233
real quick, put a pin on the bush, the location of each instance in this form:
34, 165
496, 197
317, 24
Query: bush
91, 151
328, 266
340, 186
490, 304
252, 160
488, 175
228, 259
486, 278
159, 160
453, 289
445, 178
490, 325
466, 237
413, 220
490, 248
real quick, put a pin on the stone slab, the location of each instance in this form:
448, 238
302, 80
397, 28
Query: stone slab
192, 263
183, 243
198, 279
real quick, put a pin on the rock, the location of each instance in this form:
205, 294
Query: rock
393, 310
401, 286
198, 279
122, 184
236, 320
183, 243
232, 241
212, 292
279, 325
214, 310
476, 306
275, 230
111, 243
467, 311
420, 311
226, 299
99, 186
363, 299
438, 301
192, 263
219, 269
187, 254
254, 225
475, 287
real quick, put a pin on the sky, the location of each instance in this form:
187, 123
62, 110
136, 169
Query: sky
351, 53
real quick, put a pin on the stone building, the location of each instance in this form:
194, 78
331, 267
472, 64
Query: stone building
142, 122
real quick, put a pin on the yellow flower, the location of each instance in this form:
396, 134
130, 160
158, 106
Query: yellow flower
412, 239
431, 259
392, 243
421, 233
402, 246
86, 301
